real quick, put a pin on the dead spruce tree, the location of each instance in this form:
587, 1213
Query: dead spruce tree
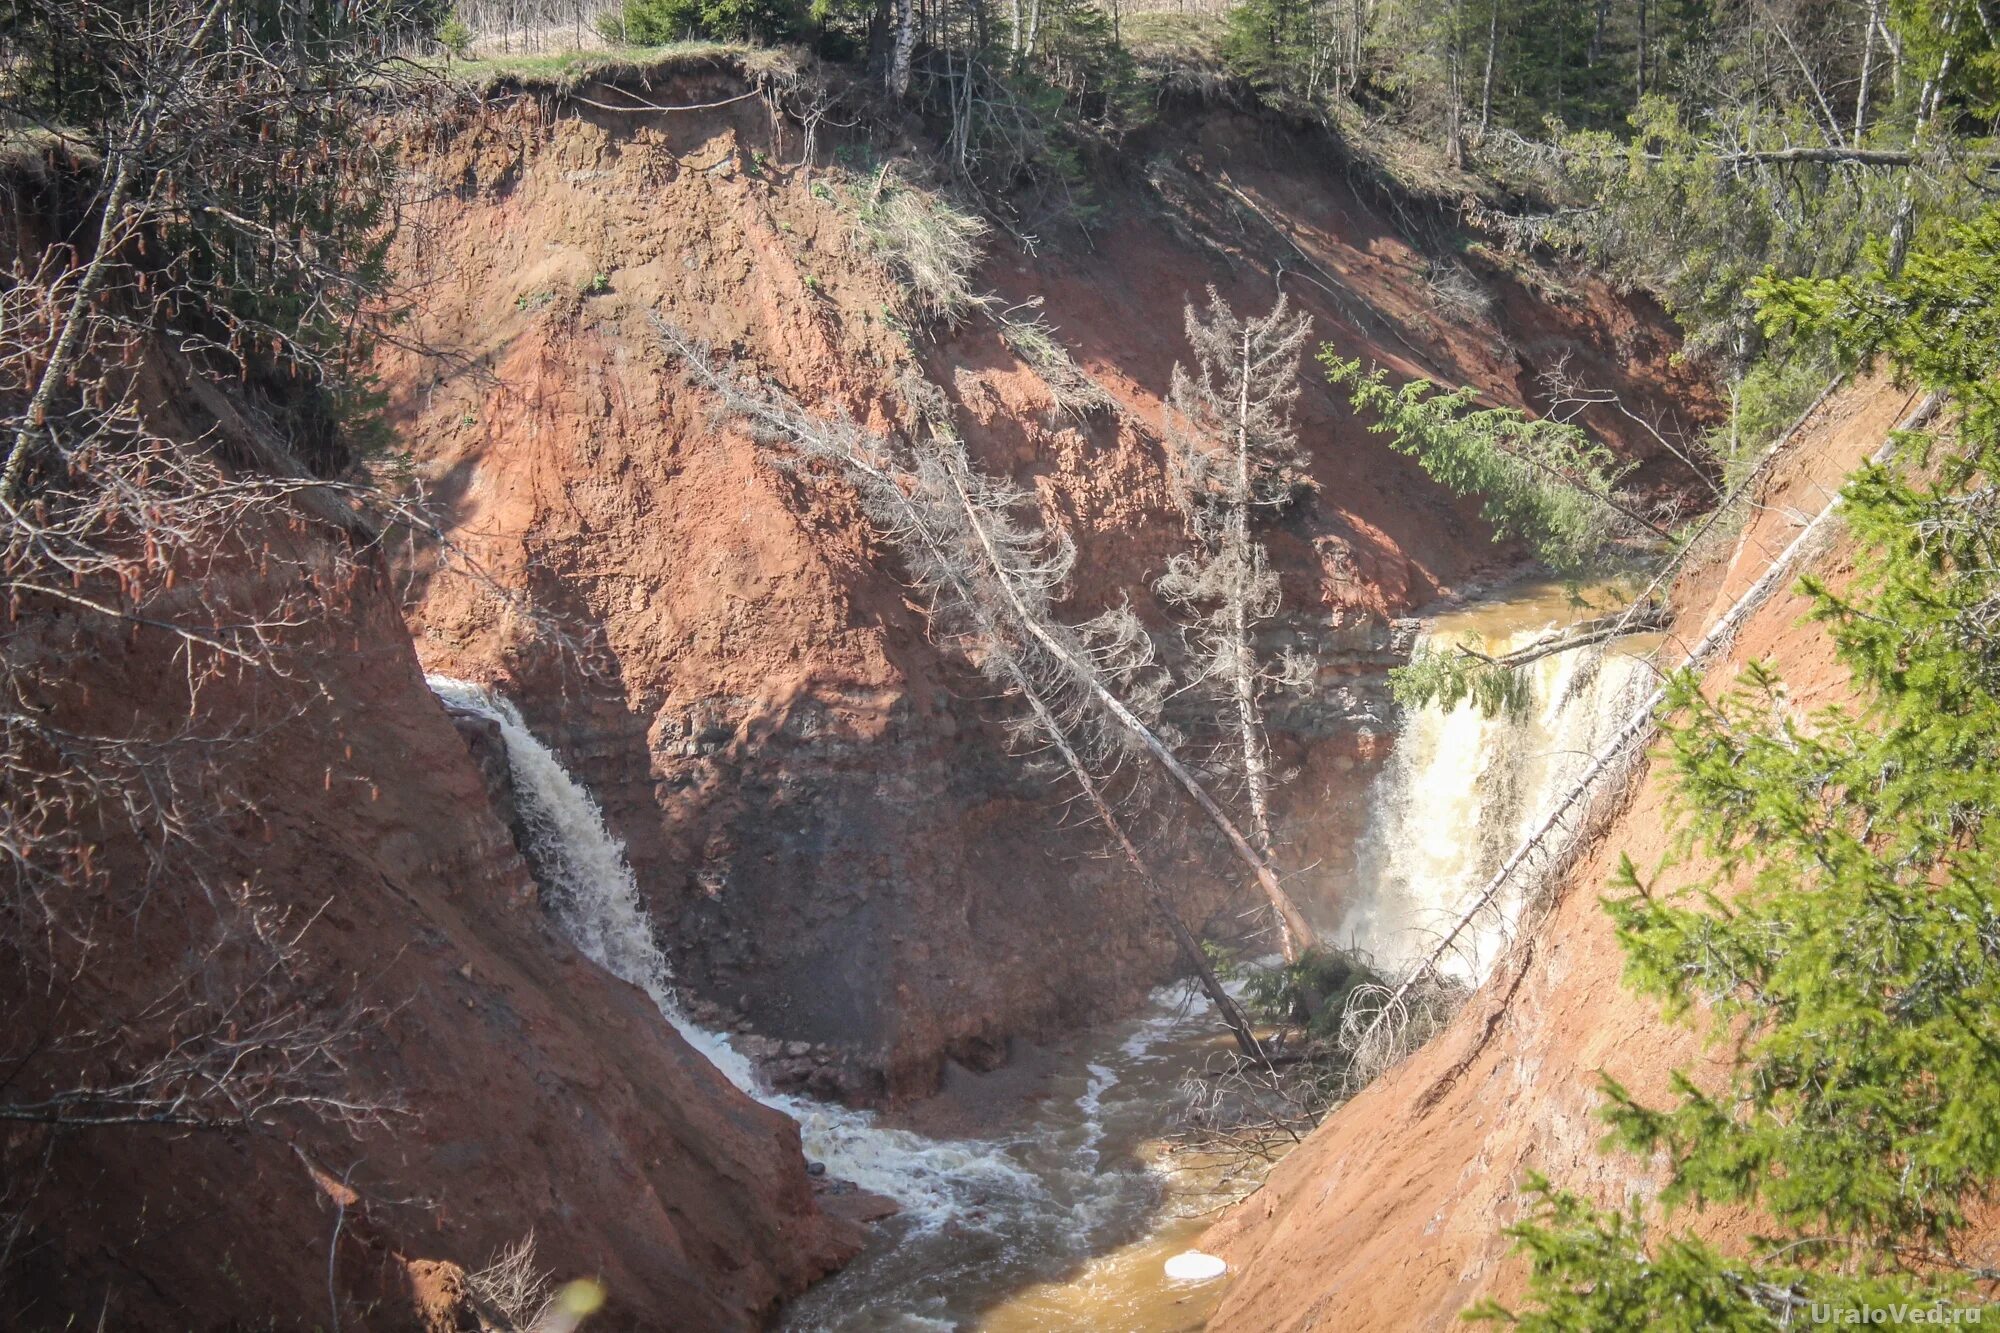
989, 581
1232, 451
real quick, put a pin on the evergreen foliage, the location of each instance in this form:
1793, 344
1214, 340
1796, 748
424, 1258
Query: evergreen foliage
1545, 482
1311, 991
1275, 45
1683, 205
1845, 946
1450, 678
659, 22
253, 225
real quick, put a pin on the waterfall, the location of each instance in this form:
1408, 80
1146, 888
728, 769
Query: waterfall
1066, 1181
1461, 790
594, 898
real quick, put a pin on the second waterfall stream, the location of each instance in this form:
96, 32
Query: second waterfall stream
1462, 790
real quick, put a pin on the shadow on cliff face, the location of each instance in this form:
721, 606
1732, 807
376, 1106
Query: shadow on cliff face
507, 1085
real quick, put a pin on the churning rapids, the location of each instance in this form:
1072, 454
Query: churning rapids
1062, 1215
1064, 1221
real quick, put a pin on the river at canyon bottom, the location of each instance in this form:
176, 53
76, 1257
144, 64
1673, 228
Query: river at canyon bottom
1045, 1196
1081, 1241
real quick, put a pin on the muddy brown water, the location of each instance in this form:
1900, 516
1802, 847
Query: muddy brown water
1080, 1240
1078, 1237
1052, 1207
1055, 1203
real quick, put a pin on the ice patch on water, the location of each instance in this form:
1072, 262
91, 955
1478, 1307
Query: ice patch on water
1194, 1266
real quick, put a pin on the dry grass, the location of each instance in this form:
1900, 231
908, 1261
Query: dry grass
1174, 39
932, 245
27, 151
513, 1288
1076, 394
1457, 292
570, 71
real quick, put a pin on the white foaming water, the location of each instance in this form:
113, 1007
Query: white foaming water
1090, 1105
1461, 790
596, 901
982, 1218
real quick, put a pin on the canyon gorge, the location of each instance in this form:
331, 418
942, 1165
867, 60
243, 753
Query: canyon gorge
696, 909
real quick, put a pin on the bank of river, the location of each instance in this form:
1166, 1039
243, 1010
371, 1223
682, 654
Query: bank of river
1081, 1239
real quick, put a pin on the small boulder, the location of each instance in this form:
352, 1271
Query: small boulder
441, 1296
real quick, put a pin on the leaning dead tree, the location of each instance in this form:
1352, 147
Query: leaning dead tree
1114, 644
1078, 668
1234, 451
988, 581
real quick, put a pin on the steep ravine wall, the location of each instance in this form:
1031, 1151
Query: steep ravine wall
836, 846
532, 1090
1389, 1216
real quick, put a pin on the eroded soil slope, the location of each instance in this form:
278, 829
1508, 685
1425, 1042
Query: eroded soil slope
837, 847
511, 1084
1389, 1216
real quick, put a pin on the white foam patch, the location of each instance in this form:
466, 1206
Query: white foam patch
1090, 1108
1194, 1266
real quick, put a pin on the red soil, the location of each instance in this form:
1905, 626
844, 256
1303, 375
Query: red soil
815, 801
535, 1091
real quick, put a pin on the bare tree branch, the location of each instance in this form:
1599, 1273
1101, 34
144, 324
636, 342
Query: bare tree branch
1235, 450
990, 584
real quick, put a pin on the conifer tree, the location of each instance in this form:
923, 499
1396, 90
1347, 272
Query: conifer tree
1234, 451
1846, 941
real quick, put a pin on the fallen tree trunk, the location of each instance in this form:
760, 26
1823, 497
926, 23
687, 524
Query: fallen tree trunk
1300, 936
1598, 629
1156, 893
912, 518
